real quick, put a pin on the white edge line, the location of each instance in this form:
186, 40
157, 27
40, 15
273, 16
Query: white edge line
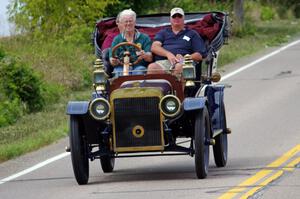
259, 60
35, 167
62, 155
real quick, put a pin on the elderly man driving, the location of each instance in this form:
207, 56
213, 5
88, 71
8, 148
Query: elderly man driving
130, 34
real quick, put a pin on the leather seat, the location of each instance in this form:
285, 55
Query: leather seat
107, 66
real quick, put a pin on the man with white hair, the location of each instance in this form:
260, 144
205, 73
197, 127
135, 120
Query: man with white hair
130, 34
110, 34
171, 44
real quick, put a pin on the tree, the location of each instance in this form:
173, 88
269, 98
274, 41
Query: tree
238, 8
55, 17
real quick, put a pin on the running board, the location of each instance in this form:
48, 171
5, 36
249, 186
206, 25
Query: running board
149, 155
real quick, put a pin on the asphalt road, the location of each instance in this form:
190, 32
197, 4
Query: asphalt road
264, 149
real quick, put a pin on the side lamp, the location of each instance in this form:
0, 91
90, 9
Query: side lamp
100, 76
188, 71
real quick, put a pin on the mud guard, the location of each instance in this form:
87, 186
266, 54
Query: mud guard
215, 98
77, 107
193, 103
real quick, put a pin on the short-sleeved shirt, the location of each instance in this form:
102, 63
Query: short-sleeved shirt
185, 42
140, 39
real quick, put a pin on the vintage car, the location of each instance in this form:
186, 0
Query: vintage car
152, 114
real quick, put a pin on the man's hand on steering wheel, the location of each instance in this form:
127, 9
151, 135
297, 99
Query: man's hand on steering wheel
123, 44
114, 61
140, 53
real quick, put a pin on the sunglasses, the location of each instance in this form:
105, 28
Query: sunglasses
177, 15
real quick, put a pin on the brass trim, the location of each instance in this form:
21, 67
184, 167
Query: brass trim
138, 127
136, 93
215, 77
139, 149
136, 84
91, 112
179, 105
189, 83
100, 87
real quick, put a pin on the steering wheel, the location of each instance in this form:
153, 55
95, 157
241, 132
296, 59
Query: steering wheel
123, 44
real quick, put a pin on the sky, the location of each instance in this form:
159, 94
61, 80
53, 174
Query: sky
4, 25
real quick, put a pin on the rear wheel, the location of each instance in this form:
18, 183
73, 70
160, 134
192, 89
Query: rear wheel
221, 146
202, 135
79, 152
107, 163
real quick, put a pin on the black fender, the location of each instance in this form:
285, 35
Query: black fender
89, 126
77, 107
193, 103
215, 99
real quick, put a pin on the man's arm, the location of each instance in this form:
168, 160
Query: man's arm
114, 61
196, 56
147, 56
198, 47
146, 52
157, 48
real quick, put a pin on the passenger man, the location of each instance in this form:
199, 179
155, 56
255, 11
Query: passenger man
171, 44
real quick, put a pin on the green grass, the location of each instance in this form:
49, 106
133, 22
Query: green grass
70, 67
36, 130
57, 62
32, 142
268, 34
32, 132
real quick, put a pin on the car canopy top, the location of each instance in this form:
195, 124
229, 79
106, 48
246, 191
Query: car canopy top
212, 26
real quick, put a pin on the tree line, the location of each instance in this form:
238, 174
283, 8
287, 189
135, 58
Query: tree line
62, 17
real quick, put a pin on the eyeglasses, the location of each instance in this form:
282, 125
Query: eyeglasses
177, 15
127, 22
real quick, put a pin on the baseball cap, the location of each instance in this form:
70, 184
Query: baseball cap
176, 11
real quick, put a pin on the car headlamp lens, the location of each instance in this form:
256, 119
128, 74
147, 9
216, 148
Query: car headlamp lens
170, 105
99, 109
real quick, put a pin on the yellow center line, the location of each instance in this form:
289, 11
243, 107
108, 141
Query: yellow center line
261, 174
246, 184
285, 157
263, 184
291, 166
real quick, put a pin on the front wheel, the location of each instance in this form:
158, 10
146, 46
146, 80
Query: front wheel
202, 135
107, 163
221, 146
79, 152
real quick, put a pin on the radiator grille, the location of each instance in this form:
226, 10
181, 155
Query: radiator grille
132, 112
